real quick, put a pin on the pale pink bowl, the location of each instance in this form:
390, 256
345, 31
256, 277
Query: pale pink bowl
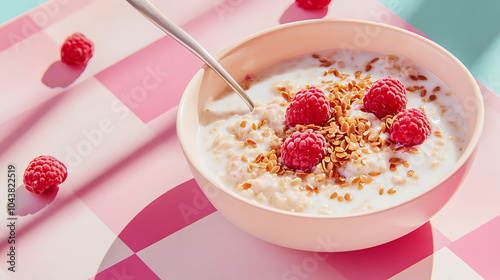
317, 232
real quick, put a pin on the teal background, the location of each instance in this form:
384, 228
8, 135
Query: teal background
12, 8
470, 29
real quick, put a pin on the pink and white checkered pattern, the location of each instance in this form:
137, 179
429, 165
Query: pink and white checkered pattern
130, 208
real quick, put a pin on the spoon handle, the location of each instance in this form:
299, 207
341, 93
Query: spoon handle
160, 20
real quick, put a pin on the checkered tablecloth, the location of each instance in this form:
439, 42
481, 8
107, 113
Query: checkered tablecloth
130, 208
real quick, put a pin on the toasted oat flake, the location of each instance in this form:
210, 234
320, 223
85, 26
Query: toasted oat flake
438, 133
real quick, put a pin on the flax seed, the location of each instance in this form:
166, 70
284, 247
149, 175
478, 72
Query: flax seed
251, 142
395, 160
374, 173
246, 185
320, 177
410, 173
275, 169
368, 67
423, 93
414, 150
436, 89
392, 167
432, 97
398, 149
348, 197
334, 195
392, 191
301, 175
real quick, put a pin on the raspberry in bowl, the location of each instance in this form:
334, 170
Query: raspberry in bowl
369, 177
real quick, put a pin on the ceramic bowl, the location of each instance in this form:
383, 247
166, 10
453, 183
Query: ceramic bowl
318, 232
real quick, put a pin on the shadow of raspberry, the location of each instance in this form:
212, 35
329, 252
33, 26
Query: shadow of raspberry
29, 203
61, 75
295, 13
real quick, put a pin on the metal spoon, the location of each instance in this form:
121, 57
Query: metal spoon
160, 20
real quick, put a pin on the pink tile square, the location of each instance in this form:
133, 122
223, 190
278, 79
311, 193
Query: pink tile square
384, 261
52, 11
480, 249
152, 80
16, 31
130, 268
174, 210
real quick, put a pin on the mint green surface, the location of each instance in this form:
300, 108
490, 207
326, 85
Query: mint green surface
470, 29
9, 9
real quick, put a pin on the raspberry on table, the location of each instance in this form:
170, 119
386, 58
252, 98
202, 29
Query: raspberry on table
313, 4
43, 173
309, 106
77, 50
303, 150
386, 96
411, 127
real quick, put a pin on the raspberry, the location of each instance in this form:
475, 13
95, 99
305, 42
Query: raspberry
77, 50
44, 172
411, 127
385, 97
309, 106
303, 150
313, 4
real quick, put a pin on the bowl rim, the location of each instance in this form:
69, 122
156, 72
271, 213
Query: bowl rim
466, 155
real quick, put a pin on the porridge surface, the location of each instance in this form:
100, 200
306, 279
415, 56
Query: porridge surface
365, 172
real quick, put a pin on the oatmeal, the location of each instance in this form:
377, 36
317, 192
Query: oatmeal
363, 169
